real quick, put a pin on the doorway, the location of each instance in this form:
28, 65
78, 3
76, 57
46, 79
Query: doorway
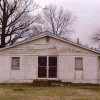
47, 67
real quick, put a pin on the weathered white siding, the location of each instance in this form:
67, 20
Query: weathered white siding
69, 74
66, 54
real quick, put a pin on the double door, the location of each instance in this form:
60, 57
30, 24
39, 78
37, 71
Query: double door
47, 67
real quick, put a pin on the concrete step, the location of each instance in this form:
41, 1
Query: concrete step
45, 83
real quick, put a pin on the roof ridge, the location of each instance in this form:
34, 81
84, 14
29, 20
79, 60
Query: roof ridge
54, 36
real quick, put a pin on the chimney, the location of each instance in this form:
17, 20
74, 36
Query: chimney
78, 41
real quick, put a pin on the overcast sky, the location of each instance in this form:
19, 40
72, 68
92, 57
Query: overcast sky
87, 14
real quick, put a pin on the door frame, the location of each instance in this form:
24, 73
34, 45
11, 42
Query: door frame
47, 67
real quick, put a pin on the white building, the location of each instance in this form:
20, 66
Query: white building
48, 56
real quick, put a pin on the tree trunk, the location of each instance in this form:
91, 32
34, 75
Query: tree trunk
3, 40
4, 23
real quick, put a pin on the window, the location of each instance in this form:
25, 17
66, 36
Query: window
78, 63
15, 63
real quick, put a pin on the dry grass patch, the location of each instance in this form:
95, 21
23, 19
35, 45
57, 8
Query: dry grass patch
68, 92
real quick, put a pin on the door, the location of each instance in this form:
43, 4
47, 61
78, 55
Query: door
42, 67
52, 67
47, 67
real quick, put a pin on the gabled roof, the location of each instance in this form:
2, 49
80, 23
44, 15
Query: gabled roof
53, 36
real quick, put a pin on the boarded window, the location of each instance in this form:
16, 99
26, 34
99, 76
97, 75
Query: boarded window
78, 63
99, 61
15, 63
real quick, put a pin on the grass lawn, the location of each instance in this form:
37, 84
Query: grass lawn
68, 92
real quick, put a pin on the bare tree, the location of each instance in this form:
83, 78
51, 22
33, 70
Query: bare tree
57, 21
15, 19
96, 37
